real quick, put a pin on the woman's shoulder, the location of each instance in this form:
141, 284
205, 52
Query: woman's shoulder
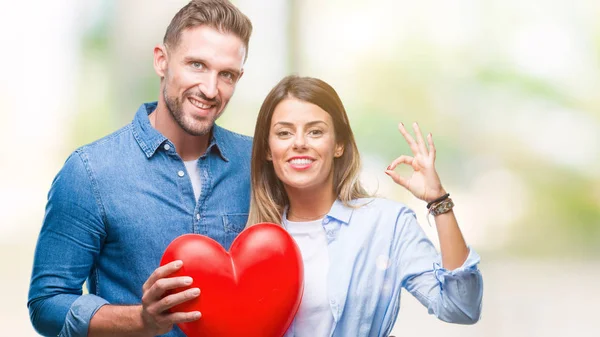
380, 214
379, 205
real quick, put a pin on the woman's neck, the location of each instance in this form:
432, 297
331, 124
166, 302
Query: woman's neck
309, 205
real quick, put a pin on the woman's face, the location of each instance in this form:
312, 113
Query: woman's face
302, 146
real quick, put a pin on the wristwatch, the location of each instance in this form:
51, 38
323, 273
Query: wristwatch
441, 207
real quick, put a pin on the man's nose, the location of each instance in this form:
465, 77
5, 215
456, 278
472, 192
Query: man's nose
209, 86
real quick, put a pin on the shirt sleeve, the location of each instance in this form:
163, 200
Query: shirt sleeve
70, 240
451, 295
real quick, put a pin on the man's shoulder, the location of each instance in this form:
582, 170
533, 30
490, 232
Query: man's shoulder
234, 136
235, 146
110, 142
114, 147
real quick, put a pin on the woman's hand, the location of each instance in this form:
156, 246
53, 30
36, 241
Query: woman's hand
424, 182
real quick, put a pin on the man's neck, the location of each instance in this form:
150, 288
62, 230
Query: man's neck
188, 147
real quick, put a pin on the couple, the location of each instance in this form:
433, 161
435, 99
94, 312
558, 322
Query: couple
117, 203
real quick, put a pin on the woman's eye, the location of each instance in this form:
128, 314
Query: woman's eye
283, 133
315, 132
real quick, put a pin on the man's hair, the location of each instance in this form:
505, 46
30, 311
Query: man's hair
218, 14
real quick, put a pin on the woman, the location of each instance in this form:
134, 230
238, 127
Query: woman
358, 251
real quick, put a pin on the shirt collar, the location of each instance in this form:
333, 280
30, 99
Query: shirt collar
150, 139
340, 212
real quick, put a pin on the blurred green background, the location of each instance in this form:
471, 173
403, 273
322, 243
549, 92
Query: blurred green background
509, 89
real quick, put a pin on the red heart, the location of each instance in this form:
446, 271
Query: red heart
252, 291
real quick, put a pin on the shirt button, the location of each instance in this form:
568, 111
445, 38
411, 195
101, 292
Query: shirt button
197, 216
167, 147
326, 221
180, 173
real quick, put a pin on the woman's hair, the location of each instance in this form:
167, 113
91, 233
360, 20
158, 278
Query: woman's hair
269, 197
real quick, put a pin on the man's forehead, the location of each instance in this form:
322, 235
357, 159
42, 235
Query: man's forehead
211, 39
206, 42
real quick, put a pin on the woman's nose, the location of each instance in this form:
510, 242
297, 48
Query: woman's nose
299, 141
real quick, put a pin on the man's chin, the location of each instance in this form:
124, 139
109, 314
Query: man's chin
198, 129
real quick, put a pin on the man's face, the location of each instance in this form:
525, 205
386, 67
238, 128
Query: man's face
200, 77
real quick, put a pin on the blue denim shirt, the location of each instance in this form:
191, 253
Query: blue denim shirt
113, 209
377, 249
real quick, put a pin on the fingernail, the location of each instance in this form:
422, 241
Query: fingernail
178, 263
197, 315
388, 168
188, 280
195, 292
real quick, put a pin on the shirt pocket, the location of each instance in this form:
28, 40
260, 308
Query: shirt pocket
234, 223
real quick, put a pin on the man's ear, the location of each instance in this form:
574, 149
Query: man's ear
160, 60
339, 150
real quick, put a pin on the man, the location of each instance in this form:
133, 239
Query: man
118, 202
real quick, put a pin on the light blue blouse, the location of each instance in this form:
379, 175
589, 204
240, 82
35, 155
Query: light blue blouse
375, 250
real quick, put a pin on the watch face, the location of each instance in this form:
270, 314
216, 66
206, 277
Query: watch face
442, 207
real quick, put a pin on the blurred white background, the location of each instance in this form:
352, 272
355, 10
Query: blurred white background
510, 90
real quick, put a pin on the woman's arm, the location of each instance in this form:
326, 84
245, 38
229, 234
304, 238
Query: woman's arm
452, 291
425, 184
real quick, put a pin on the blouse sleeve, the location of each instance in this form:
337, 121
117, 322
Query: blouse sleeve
451, 295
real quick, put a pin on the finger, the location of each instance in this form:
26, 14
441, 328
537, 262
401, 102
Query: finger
182, 317
162, 272
174, 299
161, 286
398, 179
420, 141
409, 139
408, 160
431, 146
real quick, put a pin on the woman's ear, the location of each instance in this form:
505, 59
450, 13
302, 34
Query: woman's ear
269, 156
339, 150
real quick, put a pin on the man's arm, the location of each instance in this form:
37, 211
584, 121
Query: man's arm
70, 241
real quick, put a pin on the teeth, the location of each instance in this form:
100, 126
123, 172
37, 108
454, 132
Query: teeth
300, 161
199, 105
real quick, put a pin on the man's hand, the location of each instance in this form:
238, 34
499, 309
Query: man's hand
155, 306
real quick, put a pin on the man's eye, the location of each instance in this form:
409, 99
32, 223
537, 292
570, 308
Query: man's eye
229, 77
197, 65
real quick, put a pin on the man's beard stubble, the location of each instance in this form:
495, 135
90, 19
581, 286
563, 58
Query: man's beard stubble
195, 127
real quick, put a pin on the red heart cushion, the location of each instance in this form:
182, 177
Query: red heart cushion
252, 291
